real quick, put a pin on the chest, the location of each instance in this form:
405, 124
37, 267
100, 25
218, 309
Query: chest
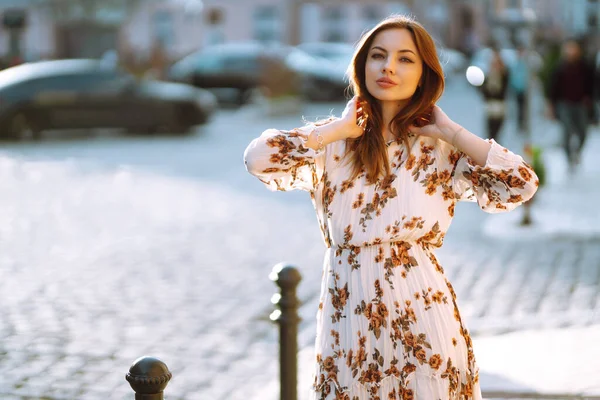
418, 186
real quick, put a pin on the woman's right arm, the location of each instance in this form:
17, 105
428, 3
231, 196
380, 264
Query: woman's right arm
288, 160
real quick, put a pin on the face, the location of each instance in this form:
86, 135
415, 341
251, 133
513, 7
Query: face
394, 67
572, 51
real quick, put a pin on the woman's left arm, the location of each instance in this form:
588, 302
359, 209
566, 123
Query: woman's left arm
443, 128
481, 170
472, 145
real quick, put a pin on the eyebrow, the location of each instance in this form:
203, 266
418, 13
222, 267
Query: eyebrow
399, 51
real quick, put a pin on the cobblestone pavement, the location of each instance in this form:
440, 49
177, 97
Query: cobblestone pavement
502, 287
101, 265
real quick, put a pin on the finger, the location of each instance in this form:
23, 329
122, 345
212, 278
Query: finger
350, 106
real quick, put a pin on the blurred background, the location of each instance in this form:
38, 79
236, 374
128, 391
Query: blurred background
129, 226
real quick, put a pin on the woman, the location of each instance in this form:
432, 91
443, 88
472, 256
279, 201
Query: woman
384, 186
494, 90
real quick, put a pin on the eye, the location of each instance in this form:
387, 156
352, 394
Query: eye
406, 59
377, 56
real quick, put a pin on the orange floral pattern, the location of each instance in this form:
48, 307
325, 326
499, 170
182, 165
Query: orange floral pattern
388, 322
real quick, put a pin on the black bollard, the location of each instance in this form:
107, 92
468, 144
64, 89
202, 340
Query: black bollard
287, 278
148, 377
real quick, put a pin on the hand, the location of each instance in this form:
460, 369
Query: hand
441, 126
353, 118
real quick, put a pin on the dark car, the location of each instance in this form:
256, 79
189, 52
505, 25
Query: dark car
322, 79
80, 94
248, 66
237, 67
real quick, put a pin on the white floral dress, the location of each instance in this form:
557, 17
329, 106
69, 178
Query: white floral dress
388, 326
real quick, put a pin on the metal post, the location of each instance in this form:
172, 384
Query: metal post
148, 377
526, 220
287, 278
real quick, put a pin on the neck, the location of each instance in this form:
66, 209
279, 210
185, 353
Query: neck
389, 109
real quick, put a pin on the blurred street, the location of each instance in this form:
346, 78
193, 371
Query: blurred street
113, 247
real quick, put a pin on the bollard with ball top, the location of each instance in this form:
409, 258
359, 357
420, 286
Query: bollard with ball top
287, 278
148, 377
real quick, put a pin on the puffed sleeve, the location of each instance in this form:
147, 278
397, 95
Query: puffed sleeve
282, 161
502, 184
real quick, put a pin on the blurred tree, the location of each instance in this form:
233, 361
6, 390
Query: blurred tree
550, 60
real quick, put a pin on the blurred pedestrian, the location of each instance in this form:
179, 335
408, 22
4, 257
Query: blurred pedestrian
494, 90
384, 179
571, 93
518, 81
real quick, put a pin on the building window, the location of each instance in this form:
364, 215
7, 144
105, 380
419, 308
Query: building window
334, 24
163, 28
266, 24
370, 16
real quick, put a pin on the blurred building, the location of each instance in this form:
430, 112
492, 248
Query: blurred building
35, 29
176, 27
23, 32
295, 21
90, 28
462, 24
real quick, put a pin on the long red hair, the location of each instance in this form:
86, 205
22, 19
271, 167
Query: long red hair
368, 153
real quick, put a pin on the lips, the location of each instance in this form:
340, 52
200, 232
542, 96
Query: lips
386, 82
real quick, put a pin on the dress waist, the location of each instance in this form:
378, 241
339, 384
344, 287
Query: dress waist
366, 245
424, 243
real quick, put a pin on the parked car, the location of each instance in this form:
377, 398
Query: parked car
83, 93
322, 79
223, 66
338, 53
248, 66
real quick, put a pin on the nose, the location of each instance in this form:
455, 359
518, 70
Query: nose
388, 66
